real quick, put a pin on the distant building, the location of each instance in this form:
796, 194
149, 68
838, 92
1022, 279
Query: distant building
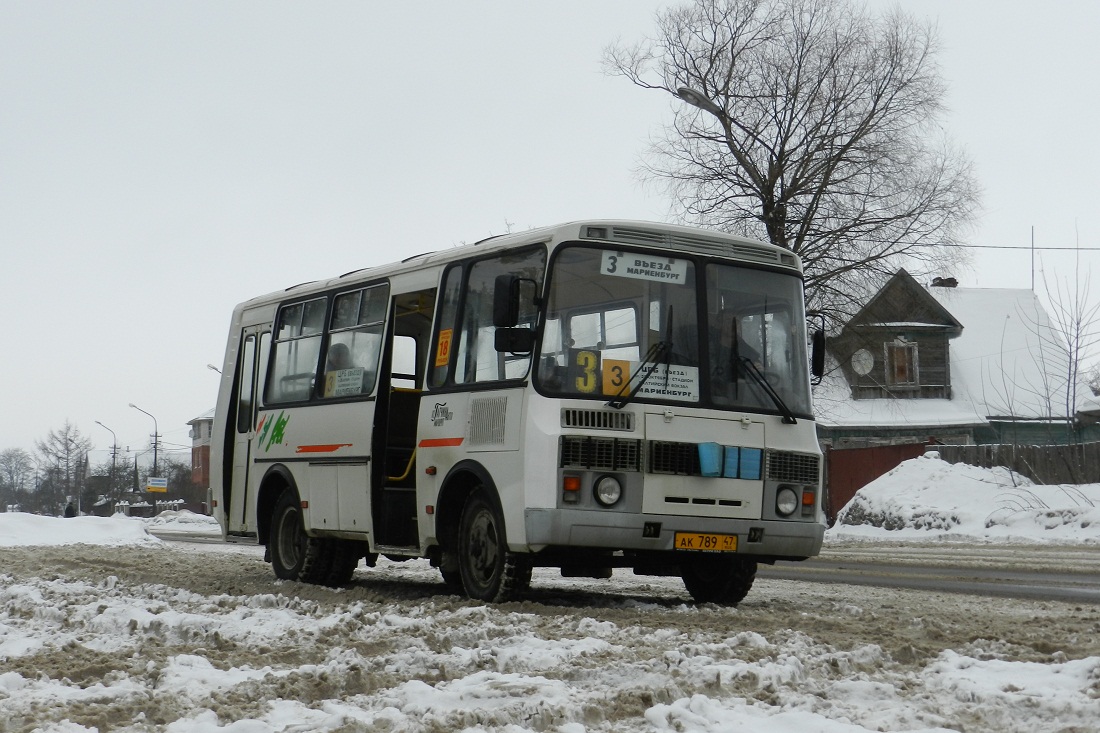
950, 365
201, 428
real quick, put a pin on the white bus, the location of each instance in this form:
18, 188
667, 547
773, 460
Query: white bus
591, 396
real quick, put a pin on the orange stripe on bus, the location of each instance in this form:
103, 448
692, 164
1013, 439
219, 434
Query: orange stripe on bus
440, 442
331, 448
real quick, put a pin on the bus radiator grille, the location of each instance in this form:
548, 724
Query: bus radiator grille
681, 459
603, 454
597, 419
795, 468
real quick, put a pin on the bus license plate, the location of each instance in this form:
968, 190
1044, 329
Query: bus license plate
705, 542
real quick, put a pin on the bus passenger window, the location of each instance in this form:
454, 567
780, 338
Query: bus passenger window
355, 342
297, 351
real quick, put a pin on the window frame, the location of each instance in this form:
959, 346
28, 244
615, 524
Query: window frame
911, 363
457, 321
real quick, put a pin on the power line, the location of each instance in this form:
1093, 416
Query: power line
1011, 246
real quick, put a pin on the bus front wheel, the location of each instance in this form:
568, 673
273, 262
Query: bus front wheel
294, 554
718, 578
488, 570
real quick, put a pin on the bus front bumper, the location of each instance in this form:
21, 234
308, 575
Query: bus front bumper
656, 532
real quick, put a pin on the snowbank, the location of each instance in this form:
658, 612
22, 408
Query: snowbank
184, 521
18, 528
928, 498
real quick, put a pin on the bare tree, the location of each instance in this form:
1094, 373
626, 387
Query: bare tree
65, 452
1092, 378
813, 126
1074, 332
16, 468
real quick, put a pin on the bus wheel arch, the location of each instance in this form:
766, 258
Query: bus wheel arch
459, 483
277, 480
472, 531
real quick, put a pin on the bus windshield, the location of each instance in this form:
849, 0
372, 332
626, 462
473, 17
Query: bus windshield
626, 326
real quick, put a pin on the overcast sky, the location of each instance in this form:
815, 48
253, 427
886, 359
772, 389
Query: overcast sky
160, 162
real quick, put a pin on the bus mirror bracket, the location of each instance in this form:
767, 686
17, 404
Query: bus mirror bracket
514, 340
506, 299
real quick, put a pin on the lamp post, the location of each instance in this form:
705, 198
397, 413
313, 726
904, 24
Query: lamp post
114, 453
773, 212
156, 435
697, 99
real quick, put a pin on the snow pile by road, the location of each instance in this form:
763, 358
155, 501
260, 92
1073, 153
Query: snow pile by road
182, 521
17, 528
928, 498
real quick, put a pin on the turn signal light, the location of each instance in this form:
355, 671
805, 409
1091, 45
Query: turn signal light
571, 483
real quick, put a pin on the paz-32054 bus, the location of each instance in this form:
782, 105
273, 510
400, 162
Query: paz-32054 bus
591, 396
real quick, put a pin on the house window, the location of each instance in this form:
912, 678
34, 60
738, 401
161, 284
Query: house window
901, 363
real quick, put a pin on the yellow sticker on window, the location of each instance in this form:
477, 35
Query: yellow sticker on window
443, 350
616, 375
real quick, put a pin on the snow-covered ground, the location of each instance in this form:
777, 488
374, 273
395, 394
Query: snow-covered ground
105, 627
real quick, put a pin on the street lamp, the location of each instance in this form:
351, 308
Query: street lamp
698, 99
114, 453
156, 435
213, 368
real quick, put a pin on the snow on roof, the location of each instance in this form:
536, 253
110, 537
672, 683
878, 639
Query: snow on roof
835, 408
208, 415
903, 324
1010, 360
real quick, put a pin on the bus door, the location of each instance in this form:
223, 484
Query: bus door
393, 500
244, 429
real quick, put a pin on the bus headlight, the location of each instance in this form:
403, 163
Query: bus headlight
607, 490
786, 501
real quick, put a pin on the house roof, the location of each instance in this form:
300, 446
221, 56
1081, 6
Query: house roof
206, 416
835, 408
904, 302
1010, 360
1007, 361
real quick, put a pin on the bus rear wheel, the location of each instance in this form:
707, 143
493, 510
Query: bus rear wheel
489, 572
718, 578
294, 554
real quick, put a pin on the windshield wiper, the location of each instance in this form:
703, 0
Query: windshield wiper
753, 371
657, 353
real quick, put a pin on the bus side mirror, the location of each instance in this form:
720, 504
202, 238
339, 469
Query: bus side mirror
506, 301
817, 356
514, 340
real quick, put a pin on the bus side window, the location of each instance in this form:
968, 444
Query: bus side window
355, 342
442, 353
476, 358
297, 351
246, 377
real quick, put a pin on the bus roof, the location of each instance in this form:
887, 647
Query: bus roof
672, 237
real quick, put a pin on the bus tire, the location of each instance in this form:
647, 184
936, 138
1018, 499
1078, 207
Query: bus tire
718, 578
452, 579
489, 572
294, 554
344, 557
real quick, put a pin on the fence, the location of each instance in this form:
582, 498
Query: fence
1043, 464
850, 469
